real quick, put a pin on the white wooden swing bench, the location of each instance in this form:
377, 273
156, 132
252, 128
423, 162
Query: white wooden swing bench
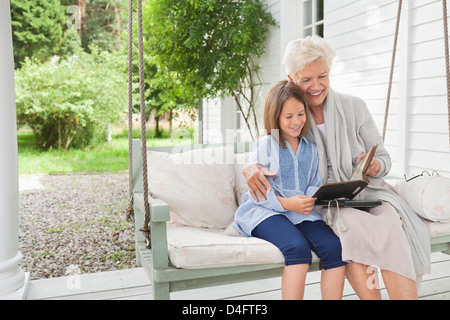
200, 249
188, 257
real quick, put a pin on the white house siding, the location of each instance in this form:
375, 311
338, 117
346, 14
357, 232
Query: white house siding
362, 33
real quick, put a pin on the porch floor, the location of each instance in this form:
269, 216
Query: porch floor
133, 284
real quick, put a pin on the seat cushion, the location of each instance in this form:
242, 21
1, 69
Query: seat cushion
202, 248
199, 248
438, 229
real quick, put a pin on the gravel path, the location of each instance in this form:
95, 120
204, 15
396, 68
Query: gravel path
74, 223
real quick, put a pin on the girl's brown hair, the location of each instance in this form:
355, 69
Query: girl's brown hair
276, 98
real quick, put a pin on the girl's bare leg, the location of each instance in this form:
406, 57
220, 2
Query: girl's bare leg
332, 283
293, 282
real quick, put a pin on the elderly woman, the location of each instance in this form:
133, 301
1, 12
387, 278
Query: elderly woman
390, 237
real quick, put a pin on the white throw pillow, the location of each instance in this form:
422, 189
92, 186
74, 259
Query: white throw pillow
197, 185
428, 196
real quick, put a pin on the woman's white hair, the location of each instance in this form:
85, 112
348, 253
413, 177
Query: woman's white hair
300, 53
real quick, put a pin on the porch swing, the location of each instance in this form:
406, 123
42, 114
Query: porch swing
202, 249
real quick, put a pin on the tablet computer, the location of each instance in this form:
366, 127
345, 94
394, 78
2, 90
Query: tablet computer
349, 203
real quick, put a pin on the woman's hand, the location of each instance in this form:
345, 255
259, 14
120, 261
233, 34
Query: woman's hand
374, 166
300, 204
256, 180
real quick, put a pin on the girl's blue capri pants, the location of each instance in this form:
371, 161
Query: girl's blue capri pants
297, 241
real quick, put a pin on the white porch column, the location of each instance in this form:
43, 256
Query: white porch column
12, 278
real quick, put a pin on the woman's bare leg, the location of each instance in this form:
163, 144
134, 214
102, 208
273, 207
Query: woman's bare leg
398, 286
364, 280
365, 284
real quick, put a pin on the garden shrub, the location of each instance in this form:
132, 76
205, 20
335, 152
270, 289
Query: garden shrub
70, 103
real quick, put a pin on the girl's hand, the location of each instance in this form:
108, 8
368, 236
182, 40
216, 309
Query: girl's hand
374, 166
300, 204
256, 180
304, 204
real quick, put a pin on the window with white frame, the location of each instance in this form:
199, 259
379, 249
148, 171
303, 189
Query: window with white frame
313, 17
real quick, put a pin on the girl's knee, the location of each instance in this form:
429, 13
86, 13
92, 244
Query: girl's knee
297, 252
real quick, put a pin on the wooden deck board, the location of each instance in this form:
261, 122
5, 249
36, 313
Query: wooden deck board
133, 284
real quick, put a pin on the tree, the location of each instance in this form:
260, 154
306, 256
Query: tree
41, 28
163, 91
37, 28
101, 23
210, 48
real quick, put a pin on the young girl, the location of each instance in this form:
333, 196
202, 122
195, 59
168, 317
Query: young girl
287, 218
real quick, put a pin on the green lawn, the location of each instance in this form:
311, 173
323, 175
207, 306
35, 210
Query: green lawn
108, 156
